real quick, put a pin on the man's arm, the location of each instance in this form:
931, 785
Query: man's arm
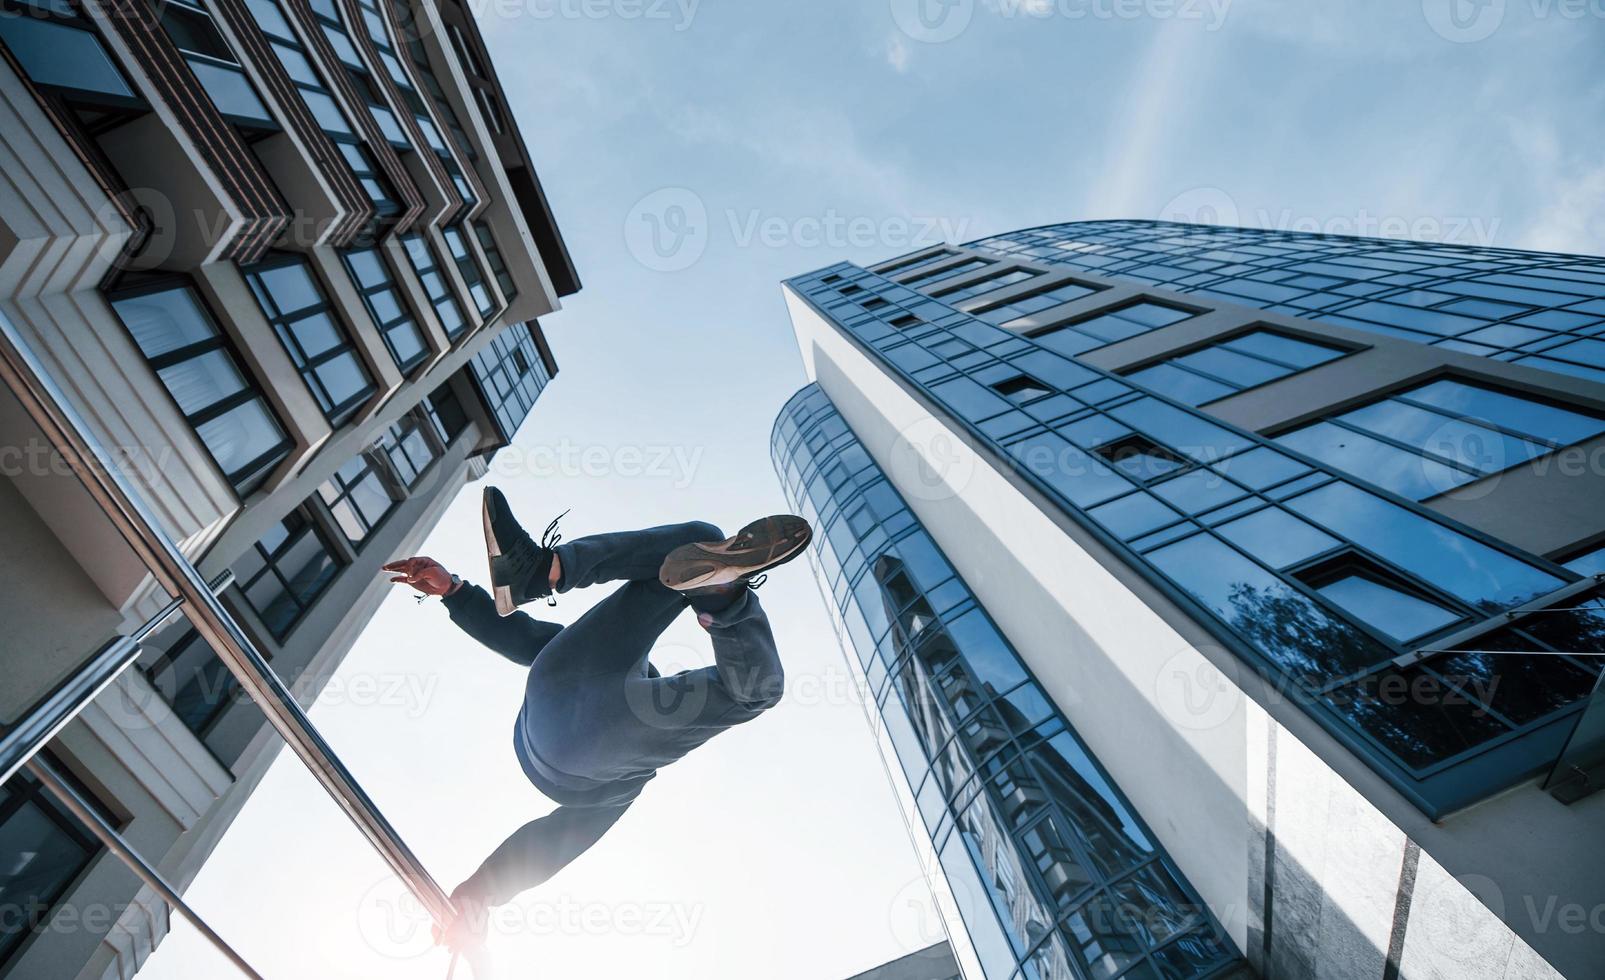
518, 637
536, 851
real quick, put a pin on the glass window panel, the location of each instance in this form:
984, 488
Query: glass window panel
1540, 421
1466, 443
63, 56
1397, 614
1082, 478
1408, 713
1184, 386
1134, 515
289, 286
1405, 473
1463, 567
230, 91
1298, 353
1282, 624
164, 321
1239, 369
986, 653
1260, 468
1277, 538
200, 382
316, 334
1180, 430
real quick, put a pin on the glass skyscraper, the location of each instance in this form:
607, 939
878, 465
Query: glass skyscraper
1224, 520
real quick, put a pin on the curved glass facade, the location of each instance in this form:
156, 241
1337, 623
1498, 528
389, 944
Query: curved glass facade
1054, 874
1544, 310
1317, 579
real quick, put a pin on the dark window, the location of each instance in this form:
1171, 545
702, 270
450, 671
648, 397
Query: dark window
468, 265
874, 303
317, 342
1037, 299
357, 497
1022, 388
59, 49
493, 258
851, 289
284, 573
320, 101
370, 270
938, 275
993, 281
426, 263
1233, 365
1140, 458
511, 375
43, 849
1431, 439
409, 448
446, 412
334, 28
1381, 600
904, 266
904, 322
189, 675
200, 370
1110, 327
191, 28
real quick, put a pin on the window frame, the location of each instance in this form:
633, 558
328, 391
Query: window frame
260, 467
337, 413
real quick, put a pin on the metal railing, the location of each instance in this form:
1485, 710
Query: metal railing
43, 400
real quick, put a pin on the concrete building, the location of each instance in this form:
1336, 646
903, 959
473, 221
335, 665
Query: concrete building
286, 260
1224, 599
932, 963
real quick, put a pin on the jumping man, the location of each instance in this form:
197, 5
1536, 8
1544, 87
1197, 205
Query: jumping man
598, 720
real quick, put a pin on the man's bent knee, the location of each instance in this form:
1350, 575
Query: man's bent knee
697, 532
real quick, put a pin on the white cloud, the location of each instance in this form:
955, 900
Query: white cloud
897, 53
1570, 212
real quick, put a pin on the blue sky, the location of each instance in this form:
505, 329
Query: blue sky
757, 140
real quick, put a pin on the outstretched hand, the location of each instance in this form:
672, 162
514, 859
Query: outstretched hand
424, 574
467, 931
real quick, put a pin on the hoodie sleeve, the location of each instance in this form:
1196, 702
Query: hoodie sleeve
518, 637
537, 851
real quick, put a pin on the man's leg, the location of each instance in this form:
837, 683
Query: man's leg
631, 556
746, 680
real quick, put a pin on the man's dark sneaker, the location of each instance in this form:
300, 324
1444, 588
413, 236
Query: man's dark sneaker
759, 546
520, 569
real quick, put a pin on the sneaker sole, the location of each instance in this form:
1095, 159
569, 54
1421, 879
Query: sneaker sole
505, 606
773, 541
